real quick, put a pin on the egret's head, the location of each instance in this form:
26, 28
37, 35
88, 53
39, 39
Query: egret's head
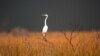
45, 15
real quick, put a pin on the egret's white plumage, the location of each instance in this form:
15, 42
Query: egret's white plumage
45, 27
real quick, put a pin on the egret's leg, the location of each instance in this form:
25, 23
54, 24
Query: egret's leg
44, 37
43, 34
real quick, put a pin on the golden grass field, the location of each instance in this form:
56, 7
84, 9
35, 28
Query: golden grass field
77, 43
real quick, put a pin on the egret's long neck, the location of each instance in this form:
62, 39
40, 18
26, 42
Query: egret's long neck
45, 22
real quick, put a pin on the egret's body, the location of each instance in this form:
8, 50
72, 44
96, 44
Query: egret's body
45, 27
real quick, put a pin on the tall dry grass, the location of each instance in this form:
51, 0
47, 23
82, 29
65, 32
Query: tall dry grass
82, 43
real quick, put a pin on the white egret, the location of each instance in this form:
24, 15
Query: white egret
45, 27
